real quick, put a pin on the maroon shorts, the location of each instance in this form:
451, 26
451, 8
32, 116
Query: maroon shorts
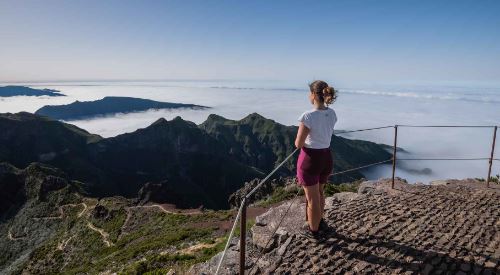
314, 166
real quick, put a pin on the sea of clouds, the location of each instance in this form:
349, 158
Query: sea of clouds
356, 108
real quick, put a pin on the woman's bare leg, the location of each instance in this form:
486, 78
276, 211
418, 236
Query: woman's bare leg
313, 206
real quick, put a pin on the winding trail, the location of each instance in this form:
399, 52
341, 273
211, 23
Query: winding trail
64, 243
160, 207
11, 237
61, 212
104, 234
197, 247
14, 238
155, 206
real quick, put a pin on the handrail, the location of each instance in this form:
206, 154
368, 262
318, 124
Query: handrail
361, 130
245, 200
446, 126
243, 205
229, 239
443, 158
361, 167
270, 174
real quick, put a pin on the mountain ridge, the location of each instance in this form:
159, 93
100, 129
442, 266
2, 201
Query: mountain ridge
107, 106
204, 163
12, 90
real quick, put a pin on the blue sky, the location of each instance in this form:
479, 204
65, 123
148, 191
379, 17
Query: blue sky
344, 41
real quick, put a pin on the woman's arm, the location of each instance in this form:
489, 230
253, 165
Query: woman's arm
301, 135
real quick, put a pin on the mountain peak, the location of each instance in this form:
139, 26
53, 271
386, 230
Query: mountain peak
216, 117
162, 123
159, 121
254, 116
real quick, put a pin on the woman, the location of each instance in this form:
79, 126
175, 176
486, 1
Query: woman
315, 162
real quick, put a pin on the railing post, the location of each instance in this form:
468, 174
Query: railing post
394, 154
243, 235
491, 156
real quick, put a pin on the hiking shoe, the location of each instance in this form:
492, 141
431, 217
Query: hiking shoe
323, 226
309, 234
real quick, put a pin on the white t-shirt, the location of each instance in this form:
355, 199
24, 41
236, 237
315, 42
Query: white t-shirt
320, 124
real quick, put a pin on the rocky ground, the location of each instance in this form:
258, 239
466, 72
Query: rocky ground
448, 227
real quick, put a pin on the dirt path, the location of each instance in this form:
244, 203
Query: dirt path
104, 234
192, 249
75, 204
14, 238
61, 212
155, 206
64, 243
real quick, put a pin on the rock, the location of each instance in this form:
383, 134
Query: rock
369, 188
292, 222
261, 237
284, 246
439, 182
340, 197
229, 267
366, 187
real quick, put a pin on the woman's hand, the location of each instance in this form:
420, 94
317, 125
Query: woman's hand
301, 135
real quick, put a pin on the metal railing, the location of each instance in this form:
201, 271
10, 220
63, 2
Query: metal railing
242, 210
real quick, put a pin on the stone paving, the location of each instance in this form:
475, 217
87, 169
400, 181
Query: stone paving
452, 227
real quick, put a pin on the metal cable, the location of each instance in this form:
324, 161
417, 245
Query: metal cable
360, 167
270, 174
446, 126
443, 158
361, 130
261, 253
229, 239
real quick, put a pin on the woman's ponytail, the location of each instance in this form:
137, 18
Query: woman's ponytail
329, 95
323, 92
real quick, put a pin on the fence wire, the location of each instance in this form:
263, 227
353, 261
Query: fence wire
249, 194
445, 126
442, 159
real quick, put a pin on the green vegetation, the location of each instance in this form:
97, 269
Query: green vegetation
153, 243
495, 179
331, 189
281, 193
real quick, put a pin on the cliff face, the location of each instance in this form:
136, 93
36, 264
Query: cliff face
195, 164
447, 227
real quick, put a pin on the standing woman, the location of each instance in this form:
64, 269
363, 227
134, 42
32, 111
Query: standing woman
315, 162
